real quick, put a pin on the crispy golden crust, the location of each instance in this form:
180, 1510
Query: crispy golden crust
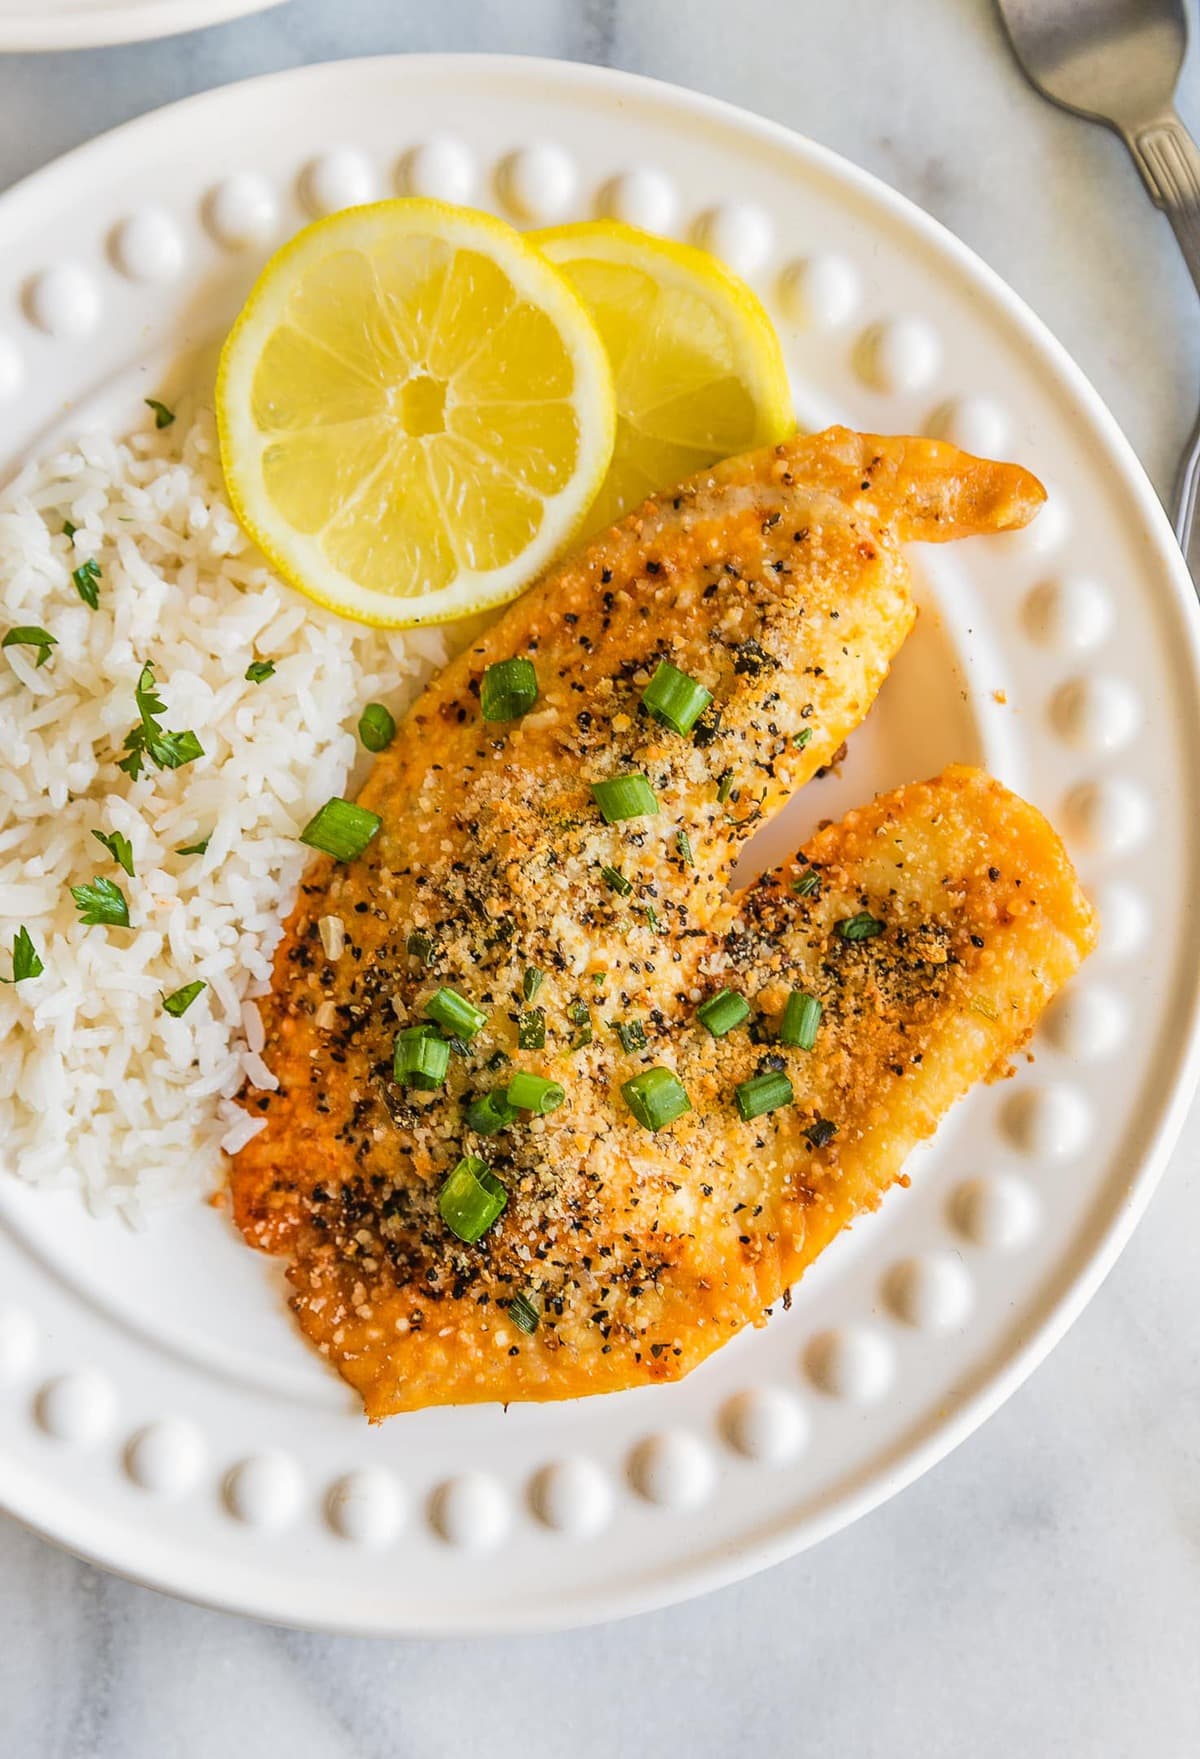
984, 922
777, 581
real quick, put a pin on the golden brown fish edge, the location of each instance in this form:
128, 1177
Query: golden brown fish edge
1054, 930
955, 495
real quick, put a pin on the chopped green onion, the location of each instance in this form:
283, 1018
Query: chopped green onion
101, 903
531, 1030
656, 1097
258, 671
763, 1093
801, 1018
625, 797
29, 635
860, 927
341, 829
420, 946
724, 786
613, 877
807, 886
163, 417
420, 1058
722, 1012
580, 1016
455, 1013
819, 1132
684, 845
85, 578
119, 847
651, 918
534, 1093
491, 1112
195, 848
675, 699
631, 1033
509, 690
471, 1199
376, 727
25, 961
801, 739
532, 982
181, 1001
523, 1314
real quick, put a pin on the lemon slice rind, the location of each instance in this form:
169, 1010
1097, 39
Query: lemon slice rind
650, 433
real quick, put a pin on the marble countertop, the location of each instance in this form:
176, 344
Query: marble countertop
1040, 1590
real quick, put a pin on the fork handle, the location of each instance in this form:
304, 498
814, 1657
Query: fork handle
1169, 161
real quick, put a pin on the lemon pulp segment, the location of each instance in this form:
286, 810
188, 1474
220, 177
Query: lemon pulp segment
415, 412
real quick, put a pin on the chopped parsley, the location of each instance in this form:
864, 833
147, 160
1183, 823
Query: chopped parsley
807, 886
119, 847
195, 848
25, 961
101, 903
532, 982
181, 1001
163, 417
531, 1030
258, 671
86, 578
29, 635
860, 927
166, 750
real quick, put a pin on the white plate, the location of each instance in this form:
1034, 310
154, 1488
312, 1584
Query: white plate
84, 24
157, 1412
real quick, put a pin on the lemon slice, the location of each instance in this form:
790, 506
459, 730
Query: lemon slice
415, 412
698, 369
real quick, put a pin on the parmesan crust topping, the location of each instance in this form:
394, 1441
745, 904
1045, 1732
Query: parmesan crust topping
777, 583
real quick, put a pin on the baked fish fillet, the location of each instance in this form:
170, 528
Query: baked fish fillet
776, 581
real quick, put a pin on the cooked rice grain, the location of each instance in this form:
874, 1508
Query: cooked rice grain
99, 1088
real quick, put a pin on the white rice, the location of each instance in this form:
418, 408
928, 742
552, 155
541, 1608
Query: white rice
100, 1090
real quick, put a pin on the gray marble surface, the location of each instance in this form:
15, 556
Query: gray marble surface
1039, 1592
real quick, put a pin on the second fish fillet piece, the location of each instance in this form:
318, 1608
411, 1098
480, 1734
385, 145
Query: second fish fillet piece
777, 581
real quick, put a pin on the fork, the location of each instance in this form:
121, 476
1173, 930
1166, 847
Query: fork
1118, 62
